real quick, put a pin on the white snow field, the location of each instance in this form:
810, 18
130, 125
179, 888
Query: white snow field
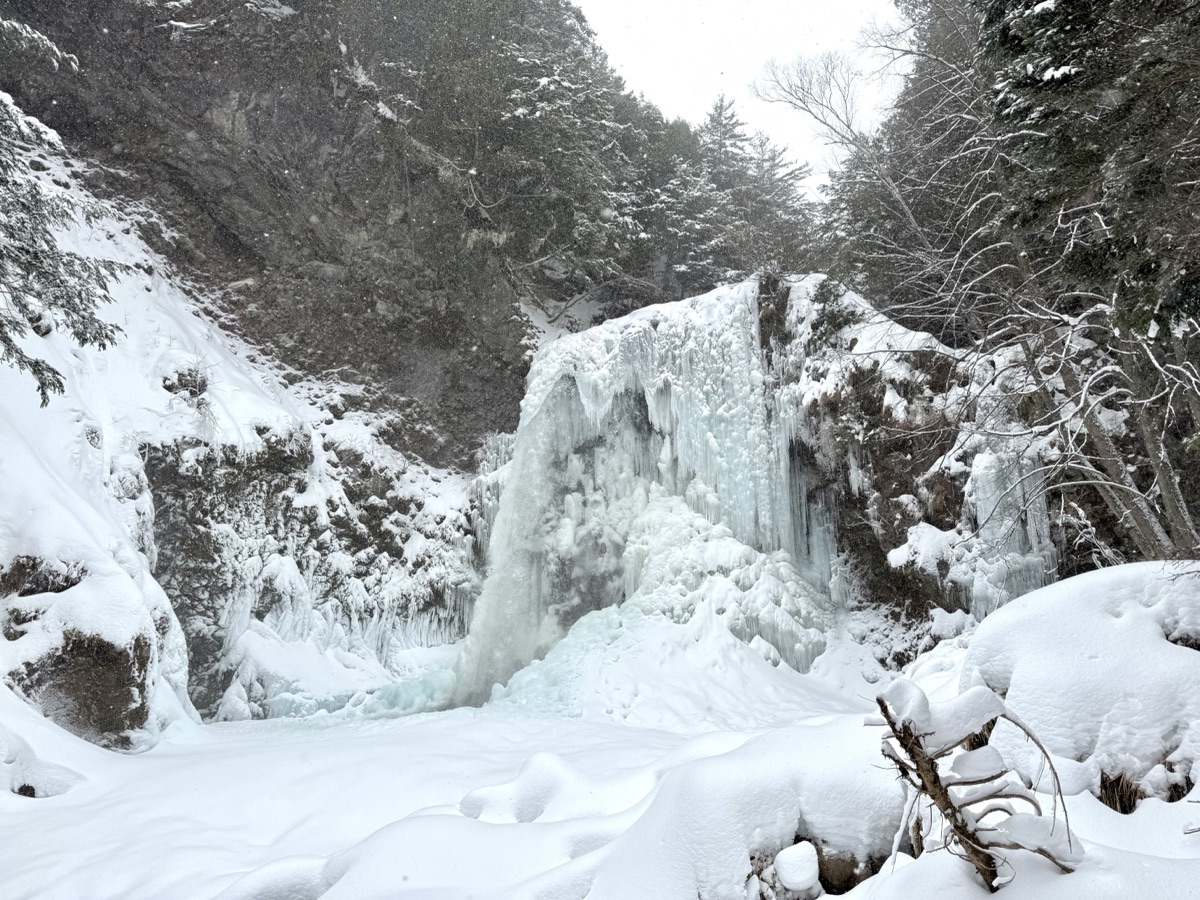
629, 782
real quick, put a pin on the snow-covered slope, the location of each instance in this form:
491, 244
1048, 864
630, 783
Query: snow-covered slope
300, 552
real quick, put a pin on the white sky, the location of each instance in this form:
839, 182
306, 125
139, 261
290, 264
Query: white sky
680, 54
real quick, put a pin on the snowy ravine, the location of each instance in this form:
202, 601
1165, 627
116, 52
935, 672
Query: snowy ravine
675, 665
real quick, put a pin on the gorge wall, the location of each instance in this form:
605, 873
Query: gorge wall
279, 179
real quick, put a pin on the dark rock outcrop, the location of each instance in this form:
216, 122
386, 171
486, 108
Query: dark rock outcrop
91, 687
83, 681
277, 177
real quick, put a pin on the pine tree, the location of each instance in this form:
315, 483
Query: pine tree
755, 216
42, 286
781, 232
724, 146
1102, 98
698, 228
559, 169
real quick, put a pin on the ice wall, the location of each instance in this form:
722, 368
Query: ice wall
670, 401
697, 409
1005, 502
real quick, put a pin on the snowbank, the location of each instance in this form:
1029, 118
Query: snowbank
1099, 667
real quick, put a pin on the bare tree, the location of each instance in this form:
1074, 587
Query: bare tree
942, 753
922, 210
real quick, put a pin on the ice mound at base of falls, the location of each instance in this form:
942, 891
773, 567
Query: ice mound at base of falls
705, 604
667, 402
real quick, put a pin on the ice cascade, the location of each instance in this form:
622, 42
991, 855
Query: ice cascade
650, 465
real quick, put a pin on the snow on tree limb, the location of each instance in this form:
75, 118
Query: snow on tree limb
941, 752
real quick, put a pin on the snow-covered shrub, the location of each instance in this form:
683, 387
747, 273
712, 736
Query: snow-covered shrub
966, 785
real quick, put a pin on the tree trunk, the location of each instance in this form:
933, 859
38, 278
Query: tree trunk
1124, 498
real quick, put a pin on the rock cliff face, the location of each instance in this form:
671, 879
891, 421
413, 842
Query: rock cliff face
191, 527
283, 181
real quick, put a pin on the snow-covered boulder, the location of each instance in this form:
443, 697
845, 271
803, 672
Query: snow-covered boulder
88, 636
1103, 668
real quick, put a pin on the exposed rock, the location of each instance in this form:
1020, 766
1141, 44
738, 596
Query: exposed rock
27, 575
91, 687
87, 682
930, 510
839, 872
259, 144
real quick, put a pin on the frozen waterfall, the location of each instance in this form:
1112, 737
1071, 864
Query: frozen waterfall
668, 461
649, 458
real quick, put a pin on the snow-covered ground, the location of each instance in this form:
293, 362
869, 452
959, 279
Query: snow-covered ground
629, 785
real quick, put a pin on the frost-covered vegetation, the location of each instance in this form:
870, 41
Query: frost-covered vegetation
252, 645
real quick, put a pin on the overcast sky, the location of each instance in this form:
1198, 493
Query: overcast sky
680, 54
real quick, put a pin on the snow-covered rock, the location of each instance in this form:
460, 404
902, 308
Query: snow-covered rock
797, 867
183, 498
1100, 667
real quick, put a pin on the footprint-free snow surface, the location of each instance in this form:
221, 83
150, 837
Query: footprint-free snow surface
623, 782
